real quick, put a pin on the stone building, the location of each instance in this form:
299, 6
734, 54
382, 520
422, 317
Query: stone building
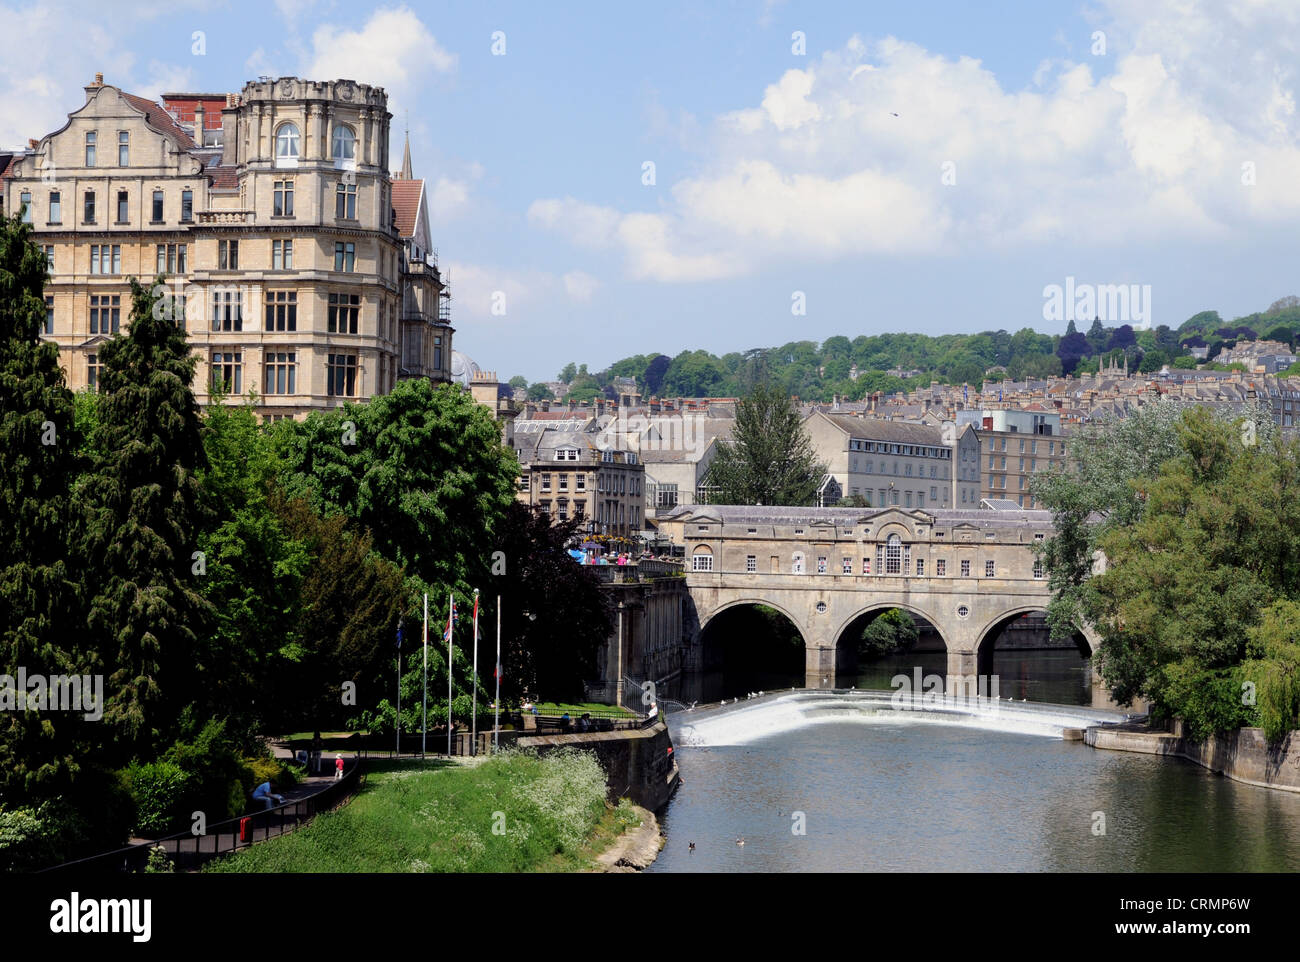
1014, 446
907, 464
568, 473
298, 267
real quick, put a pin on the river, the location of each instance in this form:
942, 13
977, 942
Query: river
981, 789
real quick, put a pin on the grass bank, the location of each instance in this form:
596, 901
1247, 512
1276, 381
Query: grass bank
515, 812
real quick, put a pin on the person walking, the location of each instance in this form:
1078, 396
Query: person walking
338, 767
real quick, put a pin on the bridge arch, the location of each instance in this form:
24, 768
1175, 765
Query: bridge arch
991, 629
1040, 672
874, 606
758, 602
751, 644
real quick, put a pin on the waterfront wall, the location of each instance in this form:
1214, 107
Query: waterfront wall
1243, 755
652, 636
638, 764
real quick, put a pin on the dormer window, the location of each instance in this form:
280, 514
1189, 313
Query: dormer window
566, 454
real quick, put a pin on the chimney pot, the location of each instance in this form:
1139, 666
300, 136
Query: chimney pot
99, 80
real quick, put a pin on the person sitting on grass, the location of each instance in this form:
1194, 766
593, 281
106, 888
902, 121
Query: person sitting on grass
268, 798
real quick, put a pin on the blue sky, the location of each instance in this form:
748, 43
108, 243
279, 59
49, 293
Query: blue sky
1022, 154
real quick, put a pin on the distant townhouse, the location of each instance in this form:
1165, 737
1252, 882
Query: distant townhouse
1014, 446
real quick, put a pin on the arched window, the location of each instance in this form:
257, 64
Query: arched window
893, 554
286, 142
702, 558
345, 144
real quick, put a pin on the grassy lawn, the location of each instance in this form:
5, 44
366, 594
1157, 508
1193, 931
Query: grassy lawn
514, 812
576, 708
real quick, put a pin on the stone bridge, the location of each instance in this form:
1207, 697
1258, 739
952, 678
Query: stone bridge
969, 573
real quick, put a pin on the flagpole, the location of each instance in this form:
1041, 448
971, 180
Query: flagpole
424, 712
450, 625
473, 714
399, 694
496, 704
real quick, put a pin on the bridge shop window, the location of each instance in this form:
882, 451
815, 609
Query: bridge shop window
940, 568
920, 567
702, 558
796, 563
965, 569
751, 563
821, 564
988, 569
846, 566
866, 566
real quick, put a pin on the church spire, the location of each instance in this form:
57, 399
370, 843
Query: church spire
405, 173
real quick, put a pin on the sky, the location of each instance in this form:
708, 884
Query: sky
615, 179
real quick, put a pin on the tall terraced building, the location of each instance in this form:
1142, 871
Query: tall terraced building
300, 268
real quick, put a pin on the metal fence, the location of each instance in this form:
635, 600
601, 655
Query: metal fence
188, 851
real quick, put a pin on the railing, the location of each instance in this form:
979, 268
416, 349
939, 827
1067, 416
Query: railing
636, 571
188, 851
225, 216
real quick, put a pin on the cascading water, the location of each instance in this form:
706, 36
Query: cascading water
754, 719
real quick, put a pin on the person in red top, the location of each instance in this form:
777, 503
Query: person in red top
338, 767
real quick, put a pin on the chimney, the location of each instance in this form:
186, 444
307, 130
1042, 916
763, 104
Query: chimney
99, 80
230, 132
31, 143
198, 123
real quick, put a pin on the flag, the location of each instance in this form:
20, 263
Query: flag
400, 622
452, 618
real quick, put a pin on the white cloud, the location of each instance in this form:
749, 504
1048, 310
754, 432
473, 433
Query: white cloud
394, 49
448, 199
1146, 144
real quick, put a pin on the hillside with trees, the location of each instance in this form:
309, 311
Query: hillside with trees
853, 368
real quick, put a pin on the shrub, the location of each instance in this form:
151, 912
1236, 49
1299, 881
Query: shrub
161, 790
217, 772
35, 838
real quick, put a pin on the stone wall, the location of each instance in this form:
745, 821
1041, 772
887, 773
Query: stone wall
638, 764
1243, 755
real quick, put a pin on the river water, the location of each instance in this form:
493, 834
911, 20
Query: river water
972, 788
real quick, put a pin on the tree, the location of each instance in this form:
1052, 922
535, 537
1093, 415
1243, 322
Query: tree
422, 468
1097, 336
890, 631
569, 372
1282, 304
144, 510
654, 374
39, 752
519, 381
770, 458
1216, 542
539, 391
552, 649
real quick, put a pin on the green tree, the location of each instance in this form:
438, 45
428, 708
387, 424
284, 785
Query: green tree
569, 372
890, 631
38, 605
144, 510
770, 458
538, 391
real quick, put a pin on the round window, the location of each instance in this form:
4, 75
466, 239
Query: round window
963, 611
821, 607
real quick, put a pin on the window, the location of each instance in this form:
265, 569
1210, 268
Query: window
25, 199
105, 313
345, 144
821, 564
49, 257
546, 482
286, 144
228, 255
341, 375
343, 310
93, 367
940, 568
866, 566
122, 200
182, 258
580, 482
171, 258
893, 555
157, 206
988, 569
751, 563
1038, 569
965, 569
187, 206
88, 208
920, 567
846, 566
281, 372
228, 372
345, 201
437, 353
702, 559
90, 148
227, 310
281, 255
49, 315
282, 198
105, 259
345, 256
123, 148
56, 207
796, 563
282, 311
